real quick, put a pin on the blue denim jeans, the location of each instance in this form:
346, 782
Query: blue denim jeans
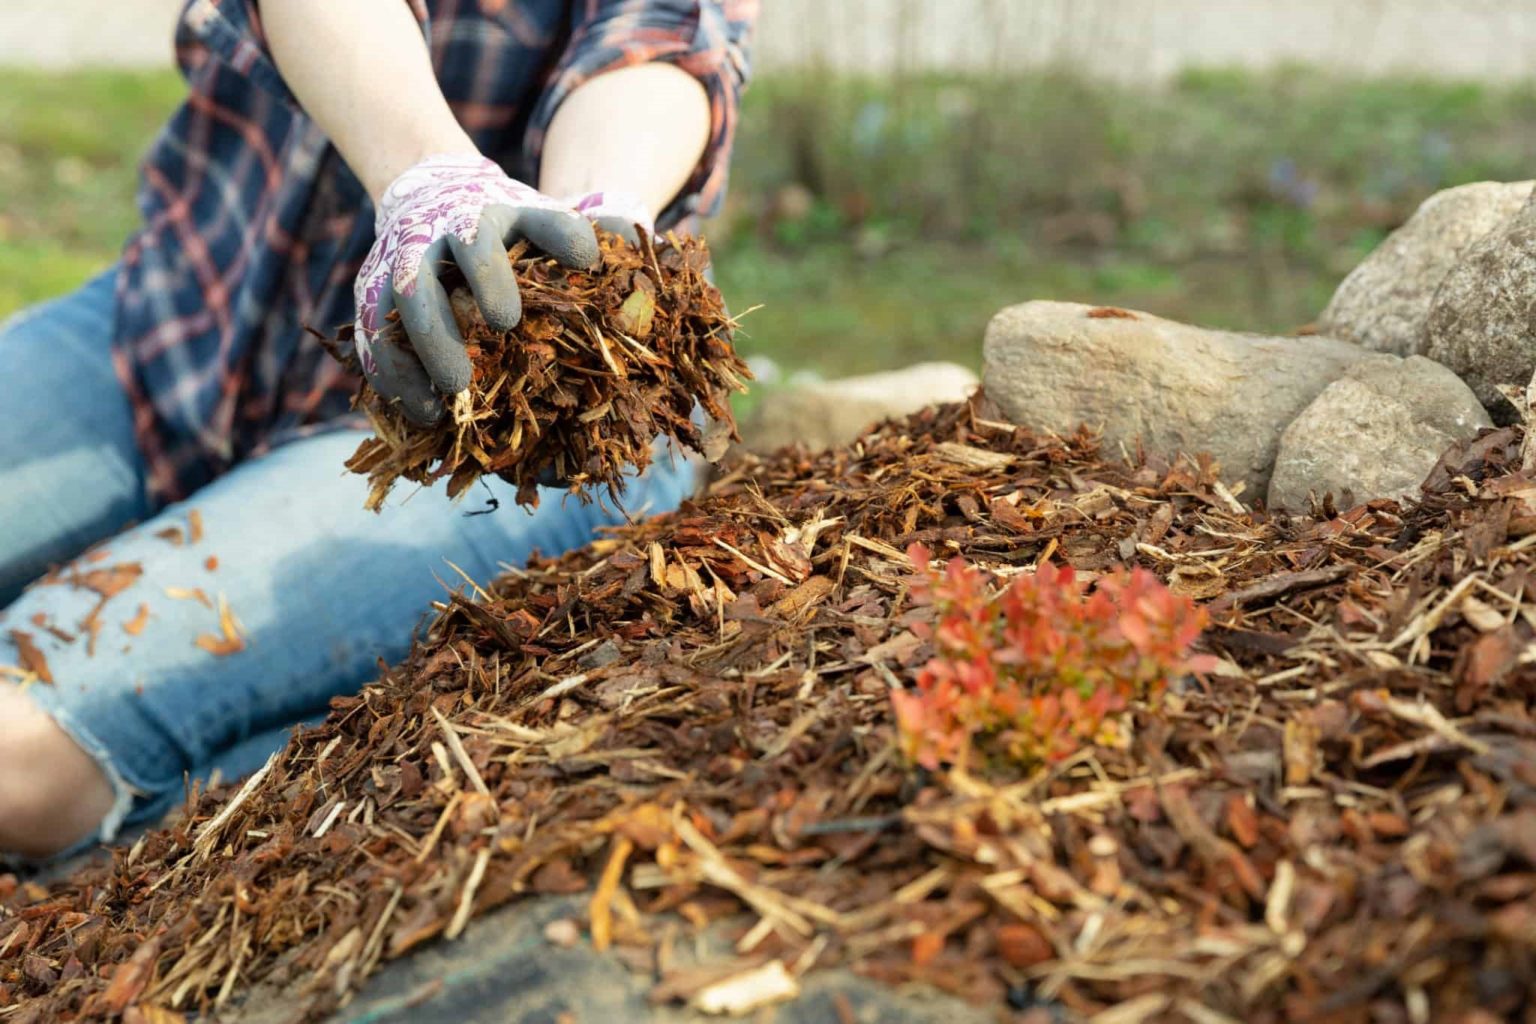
321, 588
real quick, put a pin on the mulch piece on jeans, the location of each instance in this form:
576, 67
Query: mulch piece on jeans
600, 365
689, 722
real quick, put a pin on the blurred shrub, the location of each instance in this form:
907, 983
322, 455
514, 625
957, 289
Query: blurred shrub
1295, 162
1034, 670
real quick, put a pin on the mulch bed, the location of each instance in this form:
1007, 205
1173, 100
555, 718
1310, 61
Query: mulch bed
690, 722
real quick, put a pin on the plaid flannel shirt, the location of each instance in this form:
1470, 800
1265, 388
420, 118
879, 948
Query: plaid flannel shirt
254, 228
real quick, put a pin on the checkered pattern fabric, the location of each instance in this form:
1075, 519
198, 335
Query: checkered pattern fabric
253, 227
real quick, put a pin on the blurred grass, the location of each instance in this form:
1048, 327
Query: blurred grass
68, 145
881, 222
831, 309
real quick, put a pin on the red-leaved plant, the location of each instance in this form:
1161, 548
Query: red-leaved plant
1033, 671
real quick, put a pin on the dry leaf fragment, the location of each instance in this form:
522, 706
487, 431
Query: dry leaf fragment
637, 313
32, 658
91, 625
230, 642
42, 622
111, 581
135, 625
189, 594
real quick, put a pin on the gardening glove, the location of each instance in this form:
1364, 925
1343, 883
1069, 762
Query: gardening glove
464, 209
623, 213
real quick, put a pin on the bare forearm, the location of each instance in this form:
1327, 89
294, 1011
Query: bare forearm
361, 69
640, 130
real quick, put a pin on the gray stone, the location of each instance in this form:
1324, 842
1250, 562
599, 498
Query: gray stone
1384, 303
822, 413
1374, 433
1052, 366
505, 970
1482, 323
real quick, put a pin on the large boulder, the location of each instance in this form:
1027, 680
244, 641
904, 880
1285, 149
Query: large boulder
1384, 303
1374, 433
1482, 323
1053, 366
822, 413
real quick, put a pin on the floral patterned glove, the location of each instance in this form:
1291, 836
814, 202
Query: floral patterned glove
466, 209
620, 212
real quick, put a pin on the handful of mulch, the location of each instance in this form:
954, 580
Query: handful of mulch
602, 363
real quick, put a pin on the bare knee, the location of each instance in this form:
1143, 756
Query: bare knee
52, 793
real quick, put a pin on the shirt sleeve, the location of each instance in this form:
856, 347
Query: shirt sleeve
709, 39
232, 33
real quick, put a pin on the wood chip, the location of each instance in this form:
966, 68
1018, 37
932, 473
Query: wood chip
749, 991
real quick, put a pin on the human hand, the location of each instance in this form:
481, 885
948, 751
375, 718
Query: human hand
464, 209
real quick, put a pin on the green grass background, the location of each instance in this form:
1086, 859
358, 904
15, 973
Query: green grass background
879, 222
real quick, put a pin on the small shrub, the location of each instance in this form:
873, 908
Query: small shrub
1030, 673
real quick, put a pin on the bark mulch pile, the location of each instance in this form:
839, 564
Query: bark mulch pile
601, 364
693, 717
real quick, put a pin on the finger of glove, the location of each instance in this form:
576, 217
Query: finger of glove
566, 235
399, 377
485, 267
428, 318
621, 226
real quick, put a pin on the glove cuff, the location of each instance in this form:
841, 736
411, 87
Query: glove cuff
624, 205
